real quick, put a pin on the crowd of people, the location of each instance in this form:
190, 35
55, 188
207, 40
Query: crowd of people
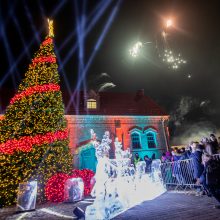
207, 145
204, 169
205, 165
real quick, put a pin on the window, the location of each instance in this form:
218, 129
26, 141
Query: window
135, 139
151, 140
91, 104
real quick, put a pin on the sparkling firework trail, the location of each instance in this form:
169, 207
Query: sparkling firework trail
136, 49
173, 61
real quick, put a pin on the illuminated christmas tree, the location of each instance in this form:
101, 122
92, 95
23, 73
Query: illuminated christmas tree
33, 132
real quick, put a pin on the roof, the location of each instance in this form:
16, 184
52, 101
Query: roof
110, 103
117, 103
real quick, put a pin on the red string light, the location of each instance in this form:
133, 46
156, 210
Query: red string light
25, 144
49, 59
47, 41
54, 189
35, 89
86, 176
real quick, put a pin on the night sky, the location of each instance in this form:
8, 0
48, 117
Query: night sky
195, 35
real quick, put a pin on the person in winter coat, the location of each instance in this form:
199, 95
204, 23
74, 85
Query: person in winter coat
210, 148
153, 157
177, 169
148, 162
186, 154
212, 189
196, 157
166, 157
214, 143
163, 158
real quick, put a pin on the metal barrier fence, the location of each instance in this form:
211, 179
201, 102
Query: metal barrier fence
180, 174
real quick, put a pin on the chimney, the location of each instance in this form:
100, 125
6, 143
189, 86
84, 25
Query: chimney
139, 94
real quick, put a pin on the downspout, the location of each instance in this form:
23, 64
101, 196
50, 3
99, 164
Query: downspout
165, 136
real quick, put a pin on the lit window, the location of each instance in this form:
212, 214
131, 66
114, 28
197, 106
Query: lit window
151, 140
91, 104
135, 139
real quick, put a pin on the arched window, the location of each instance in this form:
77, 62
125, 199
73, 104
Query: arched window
91, 104
151, 139
135, 139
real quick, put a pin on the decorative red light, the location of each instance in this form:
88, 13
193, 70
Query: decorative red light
25, 144
35, 89
47, 41
54, 189
49, 59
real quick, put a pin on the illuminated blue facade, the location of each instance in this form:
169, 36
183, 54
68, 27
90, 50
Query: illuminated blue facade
138, 122
150, 134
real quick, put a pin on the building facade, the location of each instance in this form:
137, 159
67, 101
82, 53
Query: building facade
138, 122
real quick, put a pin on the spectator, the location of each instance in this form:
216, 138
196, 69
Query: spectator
206, 181
182, 150
210, 149
163, 157
186, 154
201, 147
153, 157
166, 157
204, 140
213, 143
136, 159
196, 156
148, 162
175, 149
177, 169
176, 155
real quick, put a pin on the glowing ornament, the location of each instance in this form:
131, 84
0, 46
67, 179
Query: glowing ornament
51, 29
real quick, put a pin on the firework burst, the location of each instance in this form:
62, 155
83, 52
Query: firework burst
134, 51
172, 60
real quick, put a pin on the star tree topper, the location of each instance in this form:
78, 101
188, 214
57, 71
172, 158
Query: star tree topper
50, 26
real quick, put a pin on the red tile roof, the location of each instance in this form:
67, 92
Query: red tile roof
111, 103
115, 103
